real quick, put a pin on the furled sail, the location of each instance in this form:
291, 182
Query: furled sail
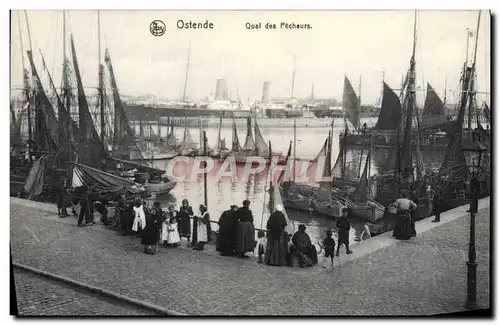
260, 144
141, 128
487, 112
390, 112
35, 181
123, 135
363, 192
171, 139
64, 123
46, 135
187, 141
103, 181
337, 172
91, 150
350, 102
454, 161
249, 142
235, 146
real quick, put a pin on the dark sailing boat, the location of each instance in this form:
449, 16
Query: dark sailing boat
387, 123
434, 111
403, 175
454, 175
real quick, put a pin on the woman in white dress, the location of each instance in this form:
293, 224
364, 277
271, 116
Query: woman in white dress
202, 227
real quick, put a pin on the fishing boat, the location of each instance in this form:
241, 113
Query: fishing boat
272, 198
453, 176
188, 147
254, 148
220, 150
434, 129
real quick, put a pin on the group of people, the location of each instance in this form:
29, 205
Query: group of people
281, 249
156, 226
236, 236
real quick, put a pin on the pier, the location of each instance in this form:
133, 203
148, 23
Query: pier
384, 276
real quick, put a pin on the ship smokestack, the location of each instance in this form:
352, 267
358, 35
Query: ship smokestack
221, 91
266, 92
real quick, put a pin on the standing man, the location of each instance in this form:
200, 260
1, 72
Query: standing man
343, 227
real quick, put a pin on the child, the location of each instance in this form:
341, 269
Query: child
329, 247
173, 238
366, 230
261, 246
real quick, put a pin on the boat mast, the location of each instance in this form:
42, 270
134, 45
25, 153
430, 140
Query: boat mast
472, 93
205, 173
158, 121
359, 103
294, 145
444, 98
26, 87
30, 131
293, 76
187, 72
220, 127
101, 78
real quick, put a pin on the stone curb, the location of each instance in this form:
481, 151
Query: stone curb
104, 292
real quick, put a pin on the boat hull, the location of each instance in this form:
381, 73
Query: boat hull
390, 141
159, 156
241, 158
159, 188
327, 209
366, 212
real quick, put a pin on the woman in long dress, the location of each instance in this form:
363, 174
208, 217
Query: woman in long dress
184, 222
151, 233
303, 249
140, 221
226, 238
202, 228
403, 225
245, 236
275, 250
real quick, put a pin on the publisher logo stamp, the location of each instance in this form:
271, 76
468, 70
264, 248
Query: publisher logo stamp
157, 28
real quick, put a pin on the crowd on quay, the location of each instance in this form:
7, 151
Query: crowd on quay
156, 226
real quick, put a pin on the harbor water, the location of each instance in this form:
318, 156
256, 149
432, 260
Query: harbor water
222, 193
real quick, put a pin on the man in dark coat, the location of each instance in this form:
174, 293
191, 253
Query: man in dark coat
83, 207
101, 205
92, 197
226, 239
437, 205
343, 226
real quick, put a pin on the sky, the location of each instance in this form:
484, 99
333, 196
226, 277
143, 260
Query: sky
371, 45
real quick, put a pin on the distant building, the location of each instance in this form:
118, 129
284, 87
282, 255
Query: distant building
221, 91
266, 92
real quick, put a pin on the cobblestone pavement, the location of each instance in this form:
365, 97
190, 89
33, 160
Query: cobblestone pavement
423, 276
39, 296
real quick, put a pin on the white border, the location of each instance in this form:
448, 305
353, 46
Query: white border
178, 5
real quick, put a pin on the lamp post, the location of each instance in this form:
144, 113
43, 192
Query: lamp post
473, 153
